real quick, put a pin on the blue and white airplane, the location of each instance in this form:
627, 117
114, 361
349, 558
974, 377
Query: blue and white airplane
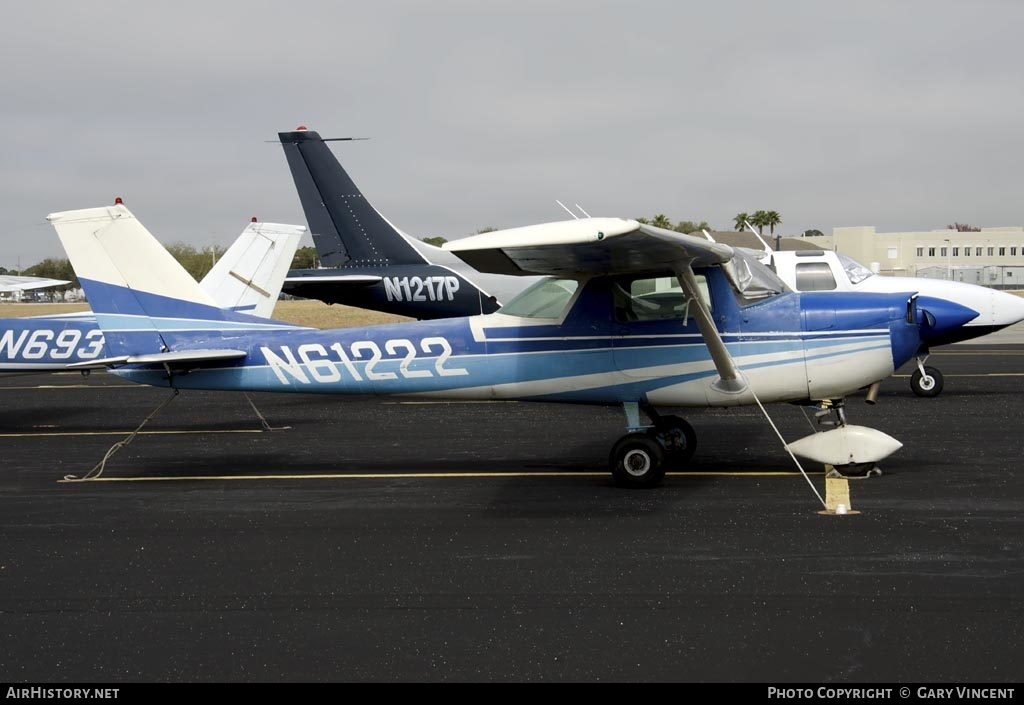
596, 331
248, 277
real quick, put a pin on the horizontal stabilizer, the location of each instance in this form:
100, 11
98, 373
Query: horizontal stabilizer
165, 358
361, 279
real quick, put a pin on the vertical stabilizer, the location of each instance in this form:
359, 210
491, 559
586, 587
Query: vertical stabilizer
249, 276
346, 229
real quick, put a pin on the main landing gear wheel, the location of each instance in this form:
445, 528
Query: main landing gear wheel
928, 384
676, 437
637, 460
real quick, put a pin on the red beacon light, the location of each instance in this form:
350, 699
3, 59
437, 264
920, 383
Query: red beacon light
118, 201
254, 219
301, 128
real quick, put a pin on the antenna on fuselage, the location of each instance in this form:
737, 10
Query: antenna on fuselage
574, 216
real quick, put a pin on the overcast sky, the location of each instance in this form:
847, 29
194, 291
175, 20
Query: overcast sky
902, 115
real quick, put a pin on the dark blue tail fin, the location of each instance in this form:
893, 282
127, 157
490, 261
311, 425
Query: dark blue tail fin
346, 229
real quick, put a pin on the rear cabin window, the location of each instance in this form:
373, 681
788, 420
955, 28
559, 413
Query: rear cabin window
814, 276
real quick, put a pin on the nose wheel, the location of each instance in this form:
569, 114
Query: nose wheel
926, 381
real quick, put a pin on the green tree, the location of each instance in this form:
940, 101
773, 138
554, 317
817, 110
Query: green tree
197, 262
771, 219
53, 268
813, 233
436, 241
689, 226
305, 258
740, 221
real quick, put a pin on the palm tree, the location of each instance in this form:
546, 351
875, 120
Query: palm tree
740, 220
661, 221
771, 219
758, 220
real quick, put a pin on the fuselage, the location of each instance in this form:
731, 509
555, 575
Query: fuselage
824, 270
440, 286
604, 343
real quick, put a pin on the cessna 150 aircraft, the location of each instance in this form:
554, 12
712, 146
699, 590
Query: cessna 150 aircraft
593, 332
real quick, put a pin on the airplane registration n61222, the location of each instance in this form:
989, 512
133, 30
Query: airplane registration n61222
627, 314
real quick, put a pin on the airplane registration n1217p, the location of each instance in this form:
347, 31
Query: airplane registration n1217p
595, 331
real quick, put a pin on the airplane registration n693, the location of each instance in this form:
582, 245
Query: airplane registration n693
48, 344
627, 314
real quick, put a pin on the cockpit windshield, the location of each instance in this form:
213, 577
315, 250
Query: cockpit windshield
855, 271
548, 298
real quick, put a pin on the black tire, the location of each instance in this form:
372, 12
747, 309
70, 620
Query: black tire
930, 386
676, 437
637, 461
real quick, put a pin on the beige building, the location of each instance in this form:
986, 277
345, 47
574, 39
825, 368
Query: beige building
937, 253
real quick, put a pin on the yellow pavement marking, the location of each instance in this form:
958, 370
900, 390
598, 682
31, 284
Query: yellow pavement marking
417, 476
75, 386
981, 374
43, 434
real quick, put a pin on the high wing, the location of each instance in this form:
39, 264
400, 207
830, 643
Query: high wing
591, 246
249, 276
12, 283
586, 246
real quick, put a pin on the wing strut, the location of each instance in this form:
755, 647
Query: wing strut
731, 380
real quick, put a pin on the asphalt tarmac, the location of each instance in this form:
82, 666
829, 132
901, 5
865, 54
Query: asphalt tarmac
379, 540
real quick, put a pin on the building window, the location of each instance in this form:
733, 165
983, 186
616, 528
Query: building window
991, 252
814, 276
956, 251
920, 252
977, 252
892, 253
942, 252
1013, 252
967, 252
931, 251
1002, 252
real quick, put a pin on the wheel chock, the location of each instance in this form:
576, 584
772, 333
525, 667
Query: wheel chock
837, 494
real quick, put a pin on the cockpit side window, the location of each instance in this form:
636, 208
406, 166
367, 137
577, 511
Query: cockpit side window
654, 298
